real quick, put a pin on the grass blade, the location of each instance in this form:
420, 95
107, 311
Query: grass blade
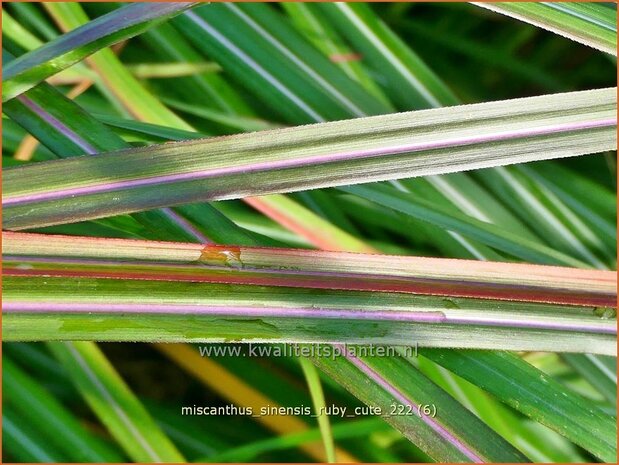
486, 233
114, 403
128, 21
405, 145
20, 440
287, 73
541, 398
62, 428
117, 80
592, 24
601, 372
318, 400
537, 442
318, 31
98, 257
446, 431
417, 89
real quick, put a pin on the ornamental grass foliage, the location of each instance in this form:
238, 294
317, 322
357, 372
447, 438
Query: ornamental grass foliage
309, 232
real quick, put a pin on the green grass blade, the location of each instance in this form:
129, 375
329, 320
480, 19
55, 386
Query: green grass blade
318, 400
532, 439
413, 84
117, 79
21, 441
113, 402
547, 215
29, 70
601, 372
317, 30
261, 51
63, 430
376, 148
541, 398
486, 233
445, 430
592, 24
210, 90
60, 124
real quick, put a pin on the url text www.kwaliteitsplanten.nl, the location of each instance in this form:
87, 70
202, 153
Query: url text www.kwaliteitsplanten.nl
305, 350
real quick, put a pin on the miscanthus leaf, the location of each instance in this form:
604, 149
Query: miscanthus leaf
68, 130
592, 24
27, 71
439, 425
395, 146
248, 293
36, 405
114, 403
541, 397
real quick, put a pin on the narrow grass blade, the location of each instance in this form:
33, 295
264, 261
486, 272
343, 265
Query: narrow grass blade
419, 88
287, 73
114, 403
117, 80
435, 422
252, 451
21, 441
100, 257
592, 24
318, 400
319, 32
233, 388
209, 90
36, 405
600, 371
547, 215
376, 148
128, 21
541, 398
486, 233
534, 440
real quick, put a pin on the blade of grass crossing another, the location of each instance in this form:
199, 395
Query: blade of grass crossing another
141, 103
21, 441
486, 233
114, 403
116, 78
412, 84
524, 435
29, 70
35, 404
541, 398
448, 433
